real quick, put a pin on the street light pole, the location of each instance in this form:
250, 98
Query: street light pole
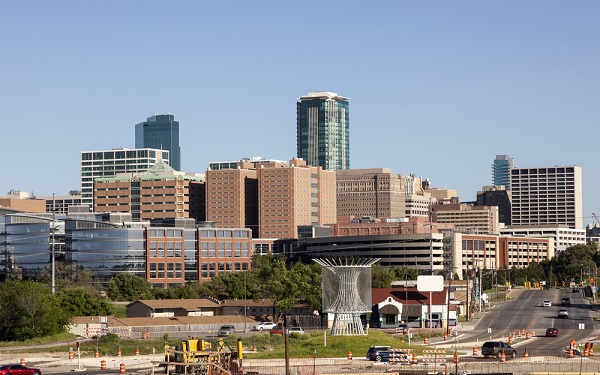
52, 245
430, 260
430, 236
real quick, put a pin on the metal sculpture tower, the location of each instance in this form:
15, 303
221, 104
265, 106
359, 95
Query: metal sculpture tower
346, 293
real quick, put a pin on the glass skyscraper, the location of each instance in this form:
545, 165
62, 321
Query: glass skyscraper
160, 132
323, 130
501, 170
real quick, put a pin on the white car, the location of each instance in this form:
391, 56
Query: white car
264, 326
546, 303
298, 330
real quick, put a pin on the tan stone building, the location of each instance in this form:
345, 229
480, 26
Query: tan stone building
159, 193
22, 201
375, 192
294, 196
497, 252
468, 218
232, 196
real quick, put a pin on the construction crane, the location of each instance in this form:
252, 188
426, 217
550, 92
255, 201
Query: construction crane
596, 217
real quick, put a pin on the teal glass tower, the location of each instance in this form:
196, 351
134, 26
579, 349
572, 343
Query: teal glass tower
501, 168
323, 130
160, 132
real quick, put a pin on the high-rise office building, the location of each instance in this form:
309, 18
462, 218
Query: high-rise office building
108, 163
232, 195
159, 193
548, 195
501, 170
375, 192
160, 132
323, 130
293, 198
496, 196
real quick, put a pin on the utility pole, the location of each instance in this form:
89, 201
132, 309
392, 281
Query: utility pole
468, 306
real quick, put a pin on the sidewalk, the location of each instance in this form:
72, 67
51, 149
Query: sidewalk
113, 363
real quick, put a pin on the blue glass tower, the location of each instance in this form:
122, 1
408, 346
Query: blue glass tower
323, 130
501, 170
160, 132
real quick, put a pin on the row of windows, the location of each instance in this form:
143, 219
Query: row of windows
212, 233
173, 270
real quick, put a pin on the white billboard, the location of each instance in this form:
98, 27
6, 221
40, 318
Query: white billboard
430, 283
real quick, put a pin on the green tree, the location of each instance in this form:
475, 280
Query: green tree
306, 282
67, 276
382, 277
128, 287
405, 273
575, 261
175, 292
269, 280
80, 302
28, 310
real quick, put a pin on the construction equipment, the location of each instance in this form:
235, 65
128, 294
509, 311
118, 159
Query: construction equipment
198, 357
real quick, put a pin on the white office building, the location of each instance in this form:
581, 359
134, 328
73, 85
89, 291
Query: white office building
107, 163
547, 196
563, 236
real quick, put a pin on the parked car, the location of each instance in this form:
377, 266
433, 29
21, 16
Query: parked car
563, 313
385, 354
297, 330
565, 301
546, 303
495, 348
19, 370
264, 326
226, 330
552, 332
277, 330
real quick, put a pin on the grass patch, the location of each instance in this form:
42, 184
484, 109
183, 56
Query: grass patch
65, 336
301, 346
313, 344
120, 310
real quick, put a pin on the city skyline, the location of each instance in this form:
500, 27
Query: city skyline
437, 91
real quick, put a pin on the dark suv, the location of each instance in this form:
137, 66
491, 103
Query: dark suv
494, 348
565, 301
385, 354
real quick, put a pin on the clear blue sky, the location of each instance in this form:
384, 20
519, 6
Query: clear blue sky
436, 88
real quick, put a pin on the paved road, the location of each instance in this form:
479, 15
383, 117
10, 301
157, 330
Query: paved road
526, 312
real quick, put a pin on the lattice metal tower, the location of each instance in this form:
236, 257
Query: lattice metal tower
346, 292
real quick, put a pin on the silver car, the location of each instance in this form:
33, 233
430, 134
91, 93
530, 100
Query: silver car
226, 330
